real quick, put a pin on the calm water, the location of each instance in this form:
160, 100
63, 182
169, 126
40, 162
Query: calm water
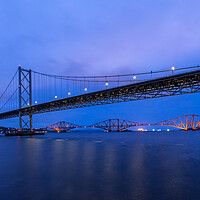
101, 166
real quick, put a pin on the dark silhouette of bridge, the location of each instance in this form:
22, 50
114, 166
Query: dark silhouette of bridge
186, 122
31, 92
63, 126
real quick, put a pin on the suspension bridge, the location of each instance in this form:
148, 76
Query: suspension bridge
30, 92
186, 122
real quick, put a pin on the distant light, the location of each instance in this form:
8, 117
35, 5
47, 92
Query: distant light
69, 93
106, 84
35, 101
27, 104
134, 77
56, 97
85, 89
173, 68
153, 129
167, 129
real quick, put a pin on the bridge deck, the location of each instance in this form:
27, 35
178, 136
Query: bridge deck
161, 87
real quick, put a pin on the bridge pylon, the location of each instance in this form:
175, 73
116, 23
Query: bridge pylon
25, 98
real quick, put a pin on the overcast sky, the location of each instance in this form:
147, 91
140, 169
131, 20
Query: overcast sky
102, 37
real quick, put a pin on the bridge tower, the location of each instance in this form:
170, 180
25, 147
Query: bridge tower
25, 98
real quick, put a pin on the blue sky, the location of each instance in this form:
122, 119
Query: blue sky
102, 37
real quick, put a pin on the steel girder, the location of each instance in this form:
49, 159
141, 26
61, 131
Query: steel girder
63, 126
184, 83
118, 125
185, 122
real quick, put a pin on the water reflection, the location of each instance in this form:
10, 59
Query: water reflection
130, 166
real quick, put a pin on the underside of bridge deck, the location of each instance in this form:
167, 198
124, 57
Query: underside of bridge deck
184, 83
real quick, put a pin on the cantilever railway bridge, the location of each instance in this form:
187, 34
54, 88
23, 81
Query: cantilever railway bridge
186, 122
31, 92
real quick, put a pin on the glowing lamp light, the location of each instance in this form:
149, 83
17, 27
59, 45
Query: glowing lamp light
167, 129
106, 84
134, 77
35, 101
85, 89
56, 97
27, 104
173, 68
69, 93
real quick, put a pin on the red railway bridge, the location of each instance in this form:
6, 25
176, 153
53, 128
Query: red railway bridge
63, 126
115, 125
186, 122
30, 92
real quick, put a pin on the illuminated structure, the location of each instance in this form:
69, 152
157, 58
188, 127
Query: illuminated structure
63, 126
186, 122
112, 125
182, 83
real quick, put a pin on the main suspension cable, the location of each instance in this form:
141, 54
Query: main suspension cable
114, 76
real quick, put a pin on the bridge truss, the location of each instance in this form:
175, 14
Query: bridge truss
168, 86
127, 90
63, 126
115, 125
186, 122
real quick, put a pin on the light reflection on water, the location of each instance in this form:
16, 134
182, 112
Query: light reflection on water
100, 166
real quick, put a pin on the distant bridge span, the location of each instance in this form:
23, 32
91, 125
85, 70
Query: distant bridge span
186, 122
63, 126
117, 125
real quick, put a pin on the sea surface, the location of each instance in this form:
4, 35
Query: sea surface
93, 165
